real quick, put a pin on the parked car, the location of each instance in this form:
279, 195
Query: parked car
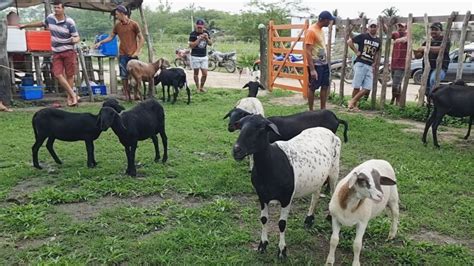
468, 66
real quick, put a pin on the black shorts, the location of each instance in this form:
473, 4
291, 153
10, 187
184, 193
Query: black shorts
323, 77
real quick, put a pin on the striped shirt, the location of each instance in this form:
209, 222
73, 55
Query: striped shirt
61, 33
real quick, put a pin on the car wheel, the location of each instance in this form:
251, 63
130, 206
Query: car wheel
417, 76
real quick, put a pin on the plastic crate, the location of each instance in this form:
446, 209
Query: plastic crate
96, 90
38, 41
16, 40
109, 48
34, 92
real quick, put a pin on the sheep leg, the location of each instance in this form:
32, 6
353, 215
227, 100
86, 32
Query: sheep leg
284, 212
157, 149
39, 141
469, 129
169, 95
434, 128
395, 213
164, 140
309, 221
428, 124
175, 94
49, 146
91, 163
357, 246
132, 170
163, 88
262, 246
188, 92
144, 89
336, 228
151, 86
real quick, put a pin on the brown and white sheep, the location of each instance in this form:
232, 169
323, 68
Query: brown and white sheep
139, 72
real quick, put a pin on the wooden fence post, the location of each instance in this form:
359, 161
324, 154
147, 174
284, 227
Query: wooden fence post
388, 45
461, 45
5, 86
263, 53
439, 60
426, 61
376, 65
347, 32
270, 56
85, 74
147, 35
328, 51
403, 96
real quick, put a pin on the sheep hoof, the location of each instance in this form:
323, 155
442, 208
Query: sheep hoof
59, 162
309, 221
282, 254
37, 166
131, 172
262, 247
157, 159
91, 165
164, 159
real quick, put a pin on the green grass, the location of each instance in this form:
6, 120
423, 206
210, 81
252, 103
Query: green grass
200, 208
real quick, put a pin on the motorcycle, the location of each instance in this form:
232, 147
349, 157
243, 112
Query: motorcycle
291, 58
225, 60
183, 58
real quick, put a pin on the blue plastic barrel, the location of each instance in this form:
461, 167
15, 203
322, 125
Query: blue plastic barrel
109, 48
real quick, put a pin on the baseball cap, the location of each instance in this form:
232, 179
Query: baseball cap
402, 24
372, 22
122, 9
326, 15
437, 25
200, 23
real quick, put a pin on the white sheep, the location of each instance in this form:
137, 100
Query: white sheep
361, 195
287, 169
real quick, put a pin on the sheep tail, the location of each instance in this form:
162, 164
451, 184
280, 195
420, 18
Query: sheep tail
346, 127
34, 125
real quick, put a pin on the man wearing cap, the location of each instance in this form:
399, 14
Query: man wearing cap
199, 39
436, 40
131, 43
367, 52
318, 66
64, 36
399, 53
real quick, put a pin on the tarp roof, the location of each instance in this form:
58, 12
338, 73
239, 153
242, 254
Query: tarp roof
96, 5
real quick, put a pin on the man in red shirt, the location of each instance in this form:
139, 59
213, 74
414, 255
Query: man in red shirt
399, 53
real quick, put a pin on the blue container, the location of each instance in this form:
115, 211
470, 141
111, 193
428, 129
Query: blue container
96, 90
27, 80
31, 92
109, 48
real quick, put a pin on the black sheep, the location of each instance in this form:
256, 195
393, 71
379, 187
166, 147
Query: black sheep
175, 77
52, 124
143, 121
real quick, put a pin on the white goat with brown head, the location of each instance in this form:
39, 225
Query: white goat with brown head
361, 195
139, 72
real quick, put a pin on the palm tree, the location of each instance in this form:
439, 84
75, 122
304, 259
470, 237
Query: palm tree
390, 12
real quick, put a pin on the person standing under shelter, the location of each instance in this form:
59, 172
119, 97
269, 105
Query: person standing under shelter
399, 54
131, 43
436, 40
199, 39
368, 50
315, 47
64, 36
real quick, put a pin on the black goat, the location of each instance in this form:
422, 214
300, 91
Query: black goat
175, 77
253, 88
455, 100
52, 124
292, 125
143, 121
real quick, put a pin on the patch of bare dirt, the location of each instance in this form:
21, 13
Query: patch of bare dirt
33, 243
19, 194
295, 99
435, 237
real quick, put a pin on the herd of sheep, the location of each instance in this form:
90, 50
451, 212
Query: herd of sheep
291, 156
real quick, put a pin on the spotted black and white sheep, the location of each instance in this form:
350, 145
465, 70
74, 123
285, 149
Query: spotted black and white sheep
253, 86
245, 106
360, 196
285, 170
52, 124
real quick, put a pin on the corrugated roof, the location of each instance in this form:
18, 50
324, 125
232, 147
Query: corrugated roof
96, 5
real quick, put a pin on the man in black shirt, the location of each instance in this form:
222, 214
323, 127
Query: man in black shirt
198, 42
367, 52
436, 40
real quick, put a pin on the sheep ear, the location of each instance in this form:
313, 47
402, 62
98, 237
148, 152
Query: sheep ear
273, 127
385, 181
352, 180
261, 86
245, 86
228, 114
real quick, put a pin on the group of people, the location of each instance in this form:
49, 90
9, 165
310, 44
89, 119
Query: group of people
367, 52
64, 36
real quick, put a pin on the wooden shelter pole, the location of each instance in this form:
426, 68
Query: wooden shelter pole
5, 89
426, 60
461, 45
147, 35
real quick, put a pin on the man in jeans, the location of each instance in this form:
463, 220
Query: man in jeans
131, 43
63, 37
399, 53
367, 52
436, 40
199, 39
318, 65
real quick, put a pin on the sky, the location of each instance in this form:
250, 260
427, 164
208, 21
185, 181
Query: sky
372, 8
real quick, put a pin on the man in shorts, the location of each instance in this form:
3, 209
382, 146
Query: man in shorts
131, 43
318, 65
199, 39
64, 36
369, 46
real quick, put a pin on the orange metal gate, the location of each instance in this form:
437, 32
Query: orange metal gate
297, 71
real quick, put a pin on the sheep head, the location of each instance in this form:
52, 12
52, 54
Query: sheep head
368, 185
107, 117
161, 64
